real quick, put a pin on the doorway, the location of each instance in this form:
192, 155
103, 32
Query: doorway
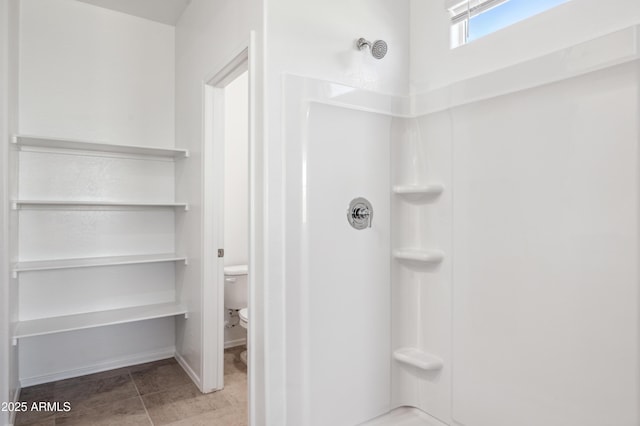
226, 211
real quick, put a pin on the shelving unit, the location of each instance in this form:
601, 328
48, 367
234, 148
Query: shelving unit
40, 327
79, 145
90, 262
17, 204
118, 154
417, 358
419, 255
433, 189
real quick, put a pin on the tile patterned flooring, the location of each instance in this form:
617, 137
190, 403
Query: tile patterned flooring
153, 394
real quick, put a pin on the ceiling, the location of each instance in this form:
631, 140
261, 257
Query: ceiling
165, 11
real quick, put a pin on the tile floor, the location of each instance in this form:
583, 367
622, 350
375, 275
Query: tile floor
153, 394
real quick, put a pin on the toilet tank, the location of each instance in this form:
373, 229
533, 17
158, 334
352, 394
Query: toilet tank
236, 286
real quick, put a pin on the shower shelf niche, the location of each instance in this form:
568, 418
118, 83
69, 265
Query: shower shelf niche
417, 358
419, 255
433, 190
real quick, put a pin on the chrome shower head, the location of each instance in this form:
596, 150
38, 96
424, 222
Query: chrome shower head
378, 47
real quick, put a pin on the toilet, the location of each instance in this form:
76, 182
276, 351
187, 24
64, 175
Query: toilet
244, 317
244, 323
235, 294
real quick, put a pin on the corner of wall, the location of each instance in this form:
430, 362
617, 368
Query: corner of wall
9, 14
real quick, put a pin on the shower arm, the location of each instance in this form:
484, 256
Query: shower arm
362, 43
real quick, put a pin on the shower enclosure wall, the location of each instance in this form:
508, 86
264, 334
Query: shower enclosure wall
498, 284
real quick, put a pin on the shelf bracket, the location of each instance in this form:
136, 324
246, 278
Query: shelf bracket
186, 315
186, 207
14, 341
14, 139
14, 205
14, 274
187, 154
186, 262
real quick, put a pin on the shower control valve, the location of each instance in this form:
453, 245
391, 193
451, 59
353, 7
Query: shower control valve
360, 213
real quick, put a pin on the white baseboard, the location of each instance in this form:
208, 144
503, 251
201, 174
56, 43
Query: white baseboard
234, 343
187, 369
141, 358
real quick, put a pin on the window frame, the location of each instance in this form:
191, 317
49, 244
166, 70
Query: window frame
461, 13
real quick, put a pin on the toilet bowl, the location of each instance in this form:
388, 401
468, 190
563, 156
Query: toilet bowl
244, 317
244, 323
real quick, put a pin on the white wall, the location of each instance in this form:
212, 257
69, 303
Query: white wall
95, 74
434, 64
59, 356
208, 35
236, 172
313, 39
318, 40
338, 338
541, 283
546, 250
345, 301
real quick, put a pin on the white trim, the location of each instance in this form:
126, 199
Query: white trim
141, 358
463, 10
187, 369
256, 394
213, 216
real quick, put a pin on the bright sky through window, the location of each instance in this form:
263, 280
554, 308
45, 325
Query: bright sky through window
498, 17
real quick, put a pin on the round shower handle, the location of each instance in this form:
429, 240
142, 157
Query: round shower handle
360, 213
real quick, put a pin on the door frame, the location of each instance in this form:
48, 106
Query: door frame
213, 211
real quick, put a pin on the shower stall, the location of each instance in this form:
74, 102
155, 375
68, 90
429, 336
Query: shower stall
497, 284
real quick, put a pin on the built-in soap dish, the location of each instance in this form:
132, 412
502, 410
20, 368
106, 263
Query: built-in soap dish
432, 190
418, 359
419, 255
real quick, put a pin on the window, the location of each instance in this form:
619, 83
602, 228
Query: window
472, 19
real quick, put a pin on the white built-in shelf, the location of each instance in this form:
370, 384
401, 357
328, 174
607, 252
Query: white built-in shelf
89, 262
16, 204
52, 325
431, 189
79, 145
419, 255
417, 358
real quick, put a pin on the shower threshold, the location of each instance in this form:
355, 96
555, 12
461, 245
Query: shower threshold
404, 416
